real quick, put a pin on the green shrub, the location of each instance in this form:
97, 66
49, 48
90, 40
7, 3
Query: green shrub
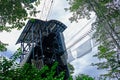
84, 77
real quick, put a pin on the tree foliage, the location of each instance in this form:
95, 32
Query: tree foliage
84, 77
71, 68
107, 30
10, 70
2, 46
14, 13
27, 72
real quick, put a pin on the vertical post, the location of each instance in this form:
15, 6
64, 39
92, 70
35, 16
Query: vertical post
41, 48
33, 40
22, 56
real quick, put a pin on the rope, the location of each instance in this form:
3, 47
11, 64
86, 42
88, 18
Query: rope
42, 9
49, 9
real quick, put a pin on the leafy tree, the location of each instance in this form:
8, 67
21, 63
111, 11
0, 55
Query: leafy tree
27, 71
10, 70
71, 68
106, 30
14, 13
2, 46
84, 77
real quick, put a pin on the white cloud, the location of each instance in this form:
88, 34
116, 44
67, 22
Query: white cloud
10, 38
83, 65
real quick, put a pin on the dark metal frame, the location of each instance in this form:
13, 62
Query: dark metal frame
33, 44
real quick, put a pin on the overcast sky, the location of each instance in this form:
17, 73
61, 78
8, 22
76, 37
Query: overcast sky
58, 13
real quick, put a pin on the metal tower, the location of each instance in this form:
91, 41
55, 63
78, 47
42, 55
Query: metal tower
42, 43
